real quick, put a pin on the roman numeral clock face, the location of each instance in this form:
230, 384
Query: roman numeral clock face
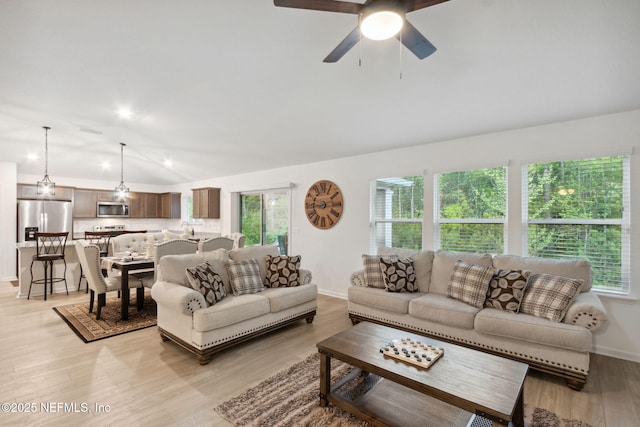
323, 204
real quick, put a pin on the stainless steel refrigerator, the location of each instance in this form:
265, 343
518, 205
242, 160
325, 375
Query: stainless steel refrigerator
43, 215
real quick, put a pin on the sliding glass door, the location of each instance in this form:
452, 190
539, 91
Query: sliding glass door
264, 218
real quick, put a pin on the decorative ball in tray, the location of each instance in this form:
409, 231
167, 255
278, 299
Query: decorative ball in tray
412, 352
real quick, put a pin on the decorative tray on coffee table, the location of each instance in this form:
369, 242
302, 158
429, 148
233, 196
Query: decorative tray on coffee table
412, 352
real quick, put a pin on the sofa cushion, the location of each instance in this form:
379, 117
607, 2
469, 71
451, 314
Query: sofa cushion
532, 329
282, 270
506, 290
255, 252
422, 263
372, 272
397, 302
442, 309
172, 267
208, 282
244, 276
549, 296
443, 263
398, 274
567, 267
231, 310
287, 297
469, 283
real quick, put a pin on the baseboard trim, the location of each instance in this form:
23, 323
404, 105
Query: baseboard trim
332, 294
618, 354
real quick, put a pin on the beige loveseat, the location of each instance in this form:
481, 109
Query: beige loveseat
185, 318
561, 348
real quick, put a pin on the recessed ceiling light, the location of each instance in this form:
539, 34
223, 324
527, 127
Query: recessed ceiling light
167, 163
125, 112
106, 165
32, 156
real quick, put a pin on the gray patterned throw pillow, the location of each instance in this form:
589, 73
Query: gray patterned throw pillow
244, 276
549, 296
283, 271
372, 272
398, 274
506, 290
469, 283
204, 279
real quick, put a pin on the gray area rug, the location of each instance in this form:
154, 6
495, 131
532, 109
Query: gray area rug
290, 398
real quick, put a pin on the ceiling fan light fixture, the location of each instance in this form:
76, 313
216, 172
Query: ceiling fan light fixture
381, 24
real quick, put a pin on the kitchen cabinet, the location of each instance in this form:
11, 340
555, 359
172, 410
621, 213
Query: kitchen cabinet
170, 205
206, 202
30, 191
84, 203
143, 205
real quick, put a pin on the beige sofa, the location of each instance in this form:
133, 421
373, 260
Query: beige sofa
185, 318
561, 348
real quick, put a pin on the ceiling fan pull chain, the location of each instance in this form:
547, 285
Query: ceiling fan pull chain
400, 47
360, 42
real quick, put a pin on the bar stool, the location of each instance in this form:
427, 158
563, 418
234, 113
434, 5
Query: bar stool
49, 248
101, 239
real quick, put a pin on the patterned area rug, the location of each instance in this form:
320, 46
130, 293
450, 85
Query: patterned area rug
290, 398
85, 325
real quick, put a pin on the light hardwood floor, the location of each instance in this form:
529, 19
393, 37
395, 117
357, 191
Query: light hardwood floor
149, 382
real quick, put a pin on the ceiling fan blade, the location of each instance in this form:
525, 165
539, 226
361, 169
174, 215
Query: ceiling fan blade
325, 5
345, 45
414, 41
411, 5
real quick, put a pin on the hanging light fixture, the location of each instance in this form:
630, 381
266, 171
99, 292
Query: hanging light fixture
122, 191
46, 186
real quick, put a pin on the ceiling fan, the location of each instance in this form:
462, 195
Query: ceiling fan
378, 20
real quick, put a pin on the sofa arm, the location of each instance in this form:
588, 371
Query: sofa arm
177, 297
305, 276
357, 279
587, 310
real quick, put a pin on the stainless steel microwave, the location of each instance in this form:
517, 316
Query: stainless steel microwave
112, 210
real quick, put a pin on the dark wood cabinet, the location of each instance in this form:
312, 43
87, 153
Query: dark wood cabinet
170, 205
144, 205
206, 203
30, 191
84, 203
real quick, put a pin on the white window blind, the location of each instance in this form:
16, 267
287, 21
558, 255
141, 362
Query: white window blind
397, 211
470, 210
580, 209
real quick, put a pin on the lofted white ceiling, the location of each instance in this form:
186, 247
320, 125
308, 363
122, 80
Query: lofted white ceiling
227, 86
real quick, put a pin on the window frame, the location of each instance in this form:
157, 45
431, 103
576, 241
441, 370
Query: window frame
624, 222
438, 221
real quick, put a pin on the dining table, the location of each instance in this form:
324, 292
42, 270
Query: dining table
126, 266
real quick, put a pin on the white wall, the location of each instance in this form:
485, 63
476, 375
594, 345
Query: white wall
332, 255
8, 222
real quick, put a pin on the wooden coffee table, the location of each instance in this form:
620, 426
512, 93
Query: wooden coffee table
476, 382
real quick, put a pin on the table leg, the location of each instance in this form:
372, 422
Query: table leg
124, 298
325, 379
518, 413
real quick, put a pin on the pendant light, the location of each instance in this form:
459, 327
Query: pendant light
46, 187
122, 191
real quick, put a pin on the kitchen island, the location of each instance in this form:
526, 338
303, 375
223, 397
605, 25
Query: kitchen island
26, 251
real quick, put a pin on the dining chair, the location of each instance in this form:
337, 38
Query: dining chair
49, 249
89, 256
101, 239
238, 239
169, 247
216, 243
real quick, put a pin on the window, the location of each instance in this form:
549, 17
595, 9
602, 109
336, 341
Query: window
471, 210
396, 212
581, 209
264, 218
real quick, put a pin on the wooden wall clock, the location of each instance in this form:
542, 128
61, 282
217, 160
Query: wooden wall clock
323, 204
